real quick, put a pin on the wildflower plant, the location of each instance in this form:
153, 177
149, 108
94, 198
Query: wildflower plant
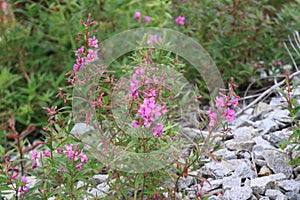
132, 114
136, 109
294, 108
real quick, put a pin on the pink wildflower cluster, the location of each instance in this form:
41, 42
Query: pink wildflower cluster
74, 155
24, 187
150, 109
154, 39
86, 54
180, 20
13, 176
138, 16
223, 107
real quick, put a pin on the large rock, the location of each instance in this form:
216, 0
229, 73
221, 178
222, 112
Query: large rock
186, 182
225, 154
267, 125
235, 145
277, 161
276, 194
212, 185
280, 116
276, 102
230, 182
261, 109
238, 193
260, 146
244, 170
290, 185
259, 185
223, 168
243, 139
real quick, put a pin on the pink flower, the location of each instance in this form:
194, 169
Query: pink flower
79, 166
83, 158
91, 56
93, 42
60, 151
180, 20
23, 189
14, 176
137, 15
34, 155
212, 117
79, 51
70, 153
24, 180
147, 19
34, 165
229, 114
47, 153
80, 61
76, 67
235, 102
220, 103
157, 130
135, 123
153, 39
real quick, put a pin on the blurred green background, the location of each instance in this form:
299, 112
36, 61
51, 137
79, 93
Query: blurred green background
37, 41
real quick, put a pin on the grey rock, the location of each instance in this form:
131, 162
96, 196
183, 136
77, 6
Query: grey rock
260, 162
238, 193
275, 194
245, 122
100, 178
277, 161
191, 133
260, 146
260, 141
244, 170
212, 185
230, 182
261, 108
279, 115
276, 102
191, 193
267, 125
234, 145
223, 168
260, 184
242, 139
81, 128
290, 185
101, 191
249, 111
186, 182
292, 195
274, 138
247, 182
245, 133
225, 154
241, 121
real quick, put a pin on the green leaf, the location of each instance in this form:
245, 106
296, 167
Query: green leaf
296, 161
295, 134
